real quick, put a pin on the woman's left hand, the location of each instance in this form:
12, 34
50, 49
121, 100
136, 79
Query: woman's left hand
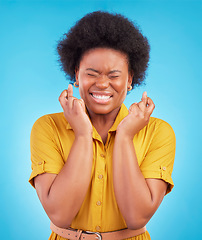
138, 117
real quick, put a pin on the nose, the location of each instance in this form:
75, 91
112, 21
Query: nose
102, 82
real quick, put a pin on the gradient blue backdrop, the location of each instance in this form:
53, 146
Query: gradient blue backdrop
31, 81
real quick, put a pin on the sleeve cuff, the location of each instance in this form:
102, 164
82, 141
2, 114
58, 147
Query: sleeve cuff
163, 174
39, 169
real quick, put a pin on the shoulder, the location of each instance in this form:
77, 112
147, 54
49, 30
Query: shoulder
160, 130
50, 120
49, 117
161, 125
49, 124
158, 123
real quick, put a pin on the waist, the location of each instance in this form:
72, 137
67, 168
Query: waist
74, 234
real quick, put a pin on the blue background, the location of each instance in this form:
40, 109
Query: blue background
31, 81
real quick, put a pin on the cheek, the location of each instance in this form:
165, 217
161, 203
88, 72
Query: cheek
121, 86
83, 88
82, 91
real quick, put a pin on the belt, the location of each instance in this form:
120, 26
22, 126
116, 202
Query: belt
74, 234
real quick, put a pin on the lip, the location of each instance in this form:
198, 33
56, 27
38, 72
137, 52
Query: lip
101, 97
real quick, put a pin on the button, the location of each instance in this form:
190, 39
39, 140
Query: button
97, 228
164, 168
102, 155
39, 163
100, 176
98, 203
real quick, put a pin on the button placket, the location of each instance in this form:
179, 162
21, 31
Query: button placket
102, 155
100, 176
99, 184
98, 203
98, 228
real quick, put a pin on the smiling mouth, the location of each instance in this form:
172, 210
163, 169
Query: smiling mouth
101, 98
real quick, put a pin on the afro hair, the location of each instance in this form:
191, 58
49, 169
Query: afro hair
103, 29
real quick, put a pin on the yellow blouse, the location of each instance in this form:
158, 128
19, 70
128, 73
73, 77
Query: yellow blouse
51, 141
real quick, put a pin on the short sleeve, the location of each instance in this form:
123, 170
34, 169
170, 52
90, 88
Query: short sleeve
45, 154
159, 159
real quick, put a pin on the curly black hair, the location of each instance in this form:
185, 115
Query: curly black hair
103, 29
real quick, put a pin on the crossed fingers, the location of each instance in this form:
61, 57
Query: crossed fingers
146, 104
67, 99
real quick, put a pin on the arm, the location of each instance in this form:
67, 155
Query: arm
62, 195
138, 198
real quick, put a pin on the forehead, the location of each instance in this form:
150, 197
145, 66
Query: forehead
106, 58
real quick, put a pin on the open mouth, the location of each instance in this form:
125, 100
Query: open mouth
101, 98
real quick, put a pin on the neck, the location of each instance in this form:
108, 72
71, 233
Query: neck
103, 122
103, 119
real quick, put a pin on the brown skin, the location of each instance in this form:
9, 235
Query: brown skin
103, 72
55, 191
103, 80
138, 200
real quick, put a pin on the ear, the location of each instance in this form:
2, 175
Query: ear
77, 74
130, 79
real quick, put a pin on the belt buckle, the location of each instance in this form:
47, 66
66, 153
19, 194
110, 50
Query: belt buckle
99, 236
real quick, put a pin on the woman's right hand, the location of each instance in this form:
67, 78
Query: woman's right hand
74, 112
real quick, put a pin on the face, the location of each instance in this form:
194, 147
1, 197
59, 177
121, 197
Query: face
103, 79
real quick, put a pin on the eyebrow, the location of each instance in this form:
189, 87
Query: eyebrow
114, 71
111, 72
91, 69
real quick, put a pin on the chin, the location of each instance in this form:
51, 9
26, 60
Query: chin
101, 109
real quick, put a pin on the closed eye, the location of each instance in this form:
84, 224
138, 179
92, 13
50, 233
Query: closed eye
113, 77
91, 75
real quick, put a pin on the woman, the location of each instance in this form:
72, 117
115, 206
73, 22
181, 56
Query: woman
101, 171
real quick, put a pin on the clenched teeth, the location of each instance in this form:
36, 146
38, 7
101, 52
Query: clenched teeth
104, 97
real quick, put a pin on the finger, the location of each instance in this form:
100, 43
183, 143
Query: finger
62, 97
81, 101
70, 97
70, 91
144, 98
150, 106
142, 105
63, 94
77, 105
133, 107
